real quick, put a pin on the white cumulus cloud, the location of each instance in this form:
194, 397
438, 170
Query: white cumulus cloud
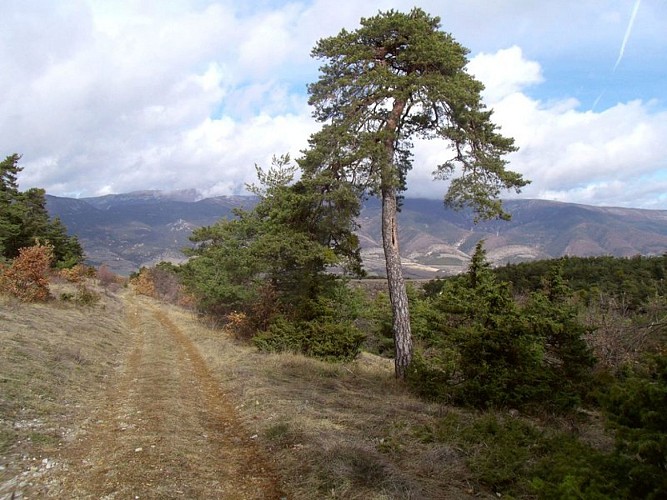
616, 156
104, 97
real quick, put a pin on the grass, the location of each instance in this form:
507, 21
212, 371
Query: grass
54, 358
336, 430
331, 430
352, 431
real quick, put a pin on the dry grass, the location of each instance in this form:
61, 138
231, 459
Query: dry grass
335, 430
54, 360
330, 430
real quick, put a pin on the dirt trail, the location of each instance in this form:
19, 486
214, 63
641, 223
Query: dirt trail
164, 430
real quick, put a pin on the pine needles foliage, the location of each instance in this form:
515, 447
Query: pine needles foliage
272, 265
481, 347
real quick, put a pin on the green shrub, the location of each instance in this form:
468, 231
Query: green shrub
432, 373
86, 297
477, 346
333, 340
281, 335
500, 451
568, 468
325, 339
376, 318
517, 459
637, 409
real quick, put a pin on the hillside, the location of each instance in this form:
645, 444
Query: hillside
136, 399
139, 229
125, 396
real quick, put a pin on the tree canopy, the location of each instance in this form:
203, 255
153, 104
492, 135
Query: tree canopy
272, 263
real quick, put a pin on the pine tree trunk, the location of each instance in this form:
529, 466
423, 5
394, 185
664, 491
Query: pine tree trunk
397, 293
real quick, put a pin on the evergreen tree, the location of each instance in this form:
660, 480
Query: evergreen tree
272, 262
486, 349
10, 210
24, 219
397, 78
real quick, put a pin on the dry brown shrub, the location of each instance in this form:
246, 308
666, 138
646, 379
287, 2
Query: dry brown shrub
167, 285
185, 299
239, 325
78, 273
143, 283
106, 276
163, 285
618, 338
27, 276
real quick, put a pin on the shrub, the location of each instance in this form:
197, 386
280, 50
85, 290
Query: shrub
480, 347
27, 276
86, 297
376, 320
106, 276
239, 325
167, 282
143, 283
518, 459
332, 340
637, 409
77, 273
281, 335
323, 338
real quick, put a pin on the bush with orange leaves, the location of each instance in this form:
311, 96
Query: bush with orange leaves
239, 325
27, 277
143, 283
77, 273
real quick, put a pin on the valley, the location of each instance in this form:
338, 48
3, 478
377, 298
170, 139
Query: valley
132, 230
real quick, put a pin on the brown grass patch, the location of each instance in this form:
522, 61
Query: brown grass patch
54, 359
334, 430
330, 430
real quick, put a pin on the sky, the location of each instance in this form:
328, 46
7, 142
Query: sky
113, 96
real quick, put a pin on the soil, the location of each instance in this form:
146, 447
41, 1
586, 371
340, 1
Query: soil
162, 429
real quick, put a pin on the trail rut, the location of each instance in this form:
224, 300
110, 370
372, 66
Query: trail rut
164, 430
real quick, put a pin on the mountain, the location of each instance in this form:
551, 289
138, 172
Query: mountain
127, 231
130, 230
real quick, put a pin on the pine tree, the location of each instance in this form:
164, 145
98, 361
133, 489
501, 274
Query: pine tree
24, 219
395, 79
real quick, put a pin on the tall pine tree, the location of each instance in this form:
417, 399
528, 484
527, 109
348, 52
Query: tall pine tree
396, 79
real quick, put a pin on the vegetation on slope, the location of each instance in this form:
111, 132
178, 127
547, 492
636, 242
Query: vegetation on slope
267, 269
25, 221
349, 430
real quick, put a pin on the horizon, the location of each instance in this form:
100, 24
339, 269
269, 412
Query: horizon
407, 196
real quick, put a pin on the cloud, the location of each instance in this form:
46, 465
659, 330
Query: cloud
611, 157
107, 97
504, 72
628, 31
156, 101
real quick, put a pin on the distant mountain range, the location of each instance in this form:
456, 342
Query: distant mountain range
127, 231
